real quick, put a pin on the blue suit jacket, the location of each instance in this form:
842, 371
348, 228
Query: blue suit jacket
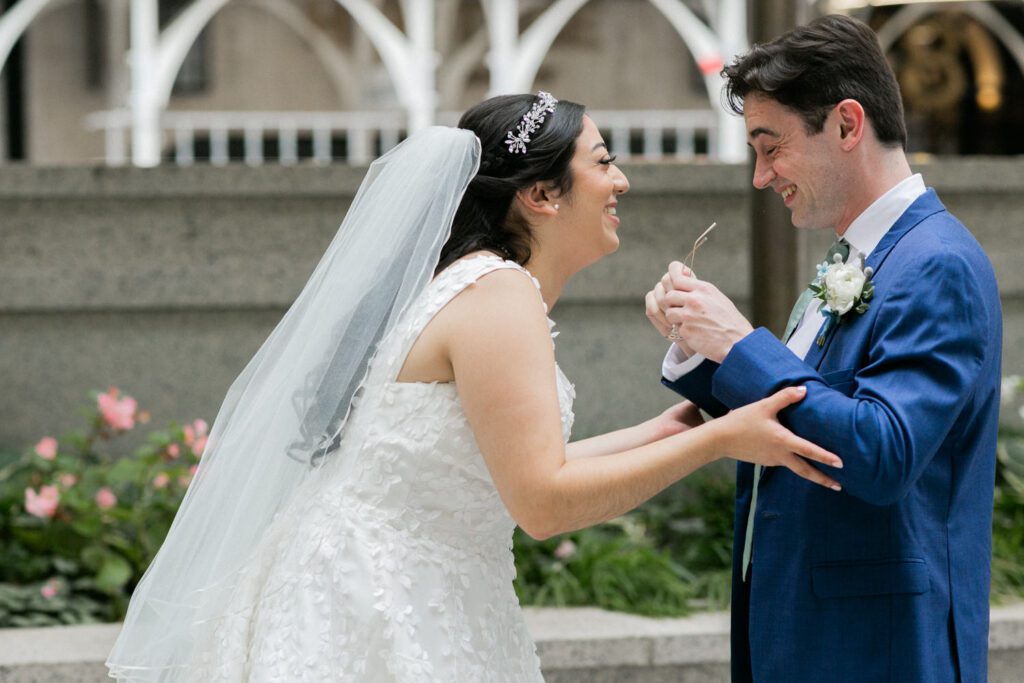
889, 579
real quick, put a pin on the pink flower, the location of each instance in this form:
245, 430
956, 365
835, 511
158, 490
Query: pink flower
565, 550
44, 503
105, 499
161, 480
200, 427
119, 413
50, 589
199, 446
190, 434
174, 450
47, 448
67, 480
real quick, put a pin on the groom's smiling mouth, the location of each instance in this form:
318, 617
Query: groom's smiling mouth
786, 193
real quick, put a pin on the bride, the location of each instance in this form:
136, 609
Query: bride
352, 518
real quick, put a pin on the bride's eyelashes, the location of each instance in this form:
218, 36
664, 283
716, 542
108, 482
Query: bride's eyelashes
608, 160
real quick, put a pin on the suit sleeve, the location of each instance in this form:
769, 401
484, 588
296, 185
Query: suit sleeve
925, 352
696, 386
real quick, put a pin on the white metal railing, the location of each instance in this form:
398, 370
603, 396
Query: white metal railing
690, 131
356, 137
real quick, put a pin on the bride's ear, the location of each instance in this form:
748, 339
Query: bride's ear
538, 200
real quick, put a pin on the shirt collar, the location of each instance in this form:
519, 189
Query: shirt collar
868, 229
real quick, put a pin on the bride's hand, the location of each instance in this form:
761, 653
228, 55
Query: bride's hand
678, 418
753, 434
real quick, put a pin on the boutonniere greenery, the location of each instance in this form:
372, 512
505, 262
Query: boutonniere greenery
844, 288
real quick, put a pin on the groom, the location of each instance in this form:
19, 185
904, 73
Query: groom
886, 580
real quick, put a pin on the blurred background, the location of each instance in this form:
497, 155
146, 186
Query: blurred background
171, 170
283, 81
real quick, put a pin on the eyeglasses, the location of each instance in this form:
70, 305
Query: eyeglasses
688, 261
673, 334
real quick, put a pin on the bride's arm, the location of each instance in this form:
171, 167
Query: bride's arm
678, 418
513, 410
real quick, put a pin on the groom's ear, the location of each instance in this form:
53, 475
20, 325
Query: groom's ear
851, 120
537, 200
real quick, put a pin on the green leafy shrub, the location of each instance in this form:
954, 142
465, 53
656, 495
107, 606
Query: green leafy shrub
693, 521
78, 525
615, 566
1008, 508
1008, 519
667, 558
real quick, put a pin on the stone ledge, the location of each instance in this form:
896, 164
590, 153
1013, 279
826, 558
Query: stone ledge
575, 644
949, 175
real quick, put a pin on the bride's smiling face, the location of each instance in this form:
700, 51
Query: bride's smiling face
587, 214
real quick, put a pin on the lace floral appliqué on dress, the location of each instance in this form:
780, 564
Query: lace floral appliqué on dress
395, 564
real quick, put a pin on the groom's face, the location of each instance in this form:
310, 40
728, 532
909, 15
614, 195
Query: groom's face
805, 170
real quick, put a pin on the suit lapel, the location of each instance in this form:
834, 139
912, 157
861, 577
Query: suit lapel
926, 205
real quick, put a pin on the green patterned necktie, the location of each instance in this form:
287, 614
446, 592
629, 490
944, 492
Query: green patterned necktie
841, 247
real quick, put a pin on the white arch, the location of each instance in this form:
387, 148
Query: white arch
711, 52
183, 32
515, 60
156, 59
15, 21
176, 45
536, 41
457, 68
177, 39
331, 57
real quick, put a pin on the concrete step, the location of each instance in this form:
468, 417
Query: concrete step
575, 645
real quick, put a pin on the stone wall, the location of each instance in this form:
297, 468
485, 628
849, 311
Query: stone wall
164, 282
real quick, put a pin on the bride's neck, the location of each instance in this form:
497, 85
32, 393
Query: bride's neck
552, 279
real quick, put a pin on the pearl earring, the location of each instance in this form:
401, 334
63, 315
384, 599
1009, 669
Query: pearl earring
556, 207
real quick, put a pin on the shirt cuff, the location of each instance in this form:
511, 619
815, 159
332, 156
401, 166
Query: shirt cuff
676, 364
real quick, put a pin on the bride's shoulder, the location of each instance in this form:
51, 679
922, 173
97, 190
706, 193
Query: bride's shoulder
487, 271
493, 284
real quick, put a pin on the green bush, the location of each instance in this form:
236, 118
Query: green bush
1008, 519
688, 528
667, 558
614, 566
79, 526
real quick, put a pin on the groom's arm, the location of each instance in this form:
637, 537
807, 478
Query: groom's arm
695, 384
927, 348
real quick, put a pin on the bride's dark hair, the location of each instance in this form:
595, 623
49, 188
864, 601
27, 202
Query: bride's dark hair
486, 219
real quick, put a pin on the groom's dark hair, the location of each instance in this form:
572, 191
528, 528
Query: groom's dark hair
814, 67
486, 219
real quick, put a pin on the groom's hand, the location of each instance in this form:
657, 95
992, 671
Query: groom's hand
656, 306
707, 320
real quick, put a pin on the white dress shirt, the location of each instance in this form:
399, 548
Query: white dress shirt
863, 235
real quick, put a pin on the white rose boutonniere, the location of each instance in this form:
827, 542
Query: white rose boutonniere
843, 287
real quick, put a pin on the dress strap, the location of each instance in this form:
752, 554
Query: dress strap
442, 289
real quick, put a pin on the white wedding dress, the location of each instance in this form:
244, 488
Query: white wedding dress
395, 563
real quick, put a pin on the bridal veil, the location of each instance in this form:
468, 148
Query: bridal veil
285, 414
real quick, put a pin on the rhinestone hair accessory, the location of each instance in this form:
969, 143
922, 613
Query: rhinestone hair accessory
530, 123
